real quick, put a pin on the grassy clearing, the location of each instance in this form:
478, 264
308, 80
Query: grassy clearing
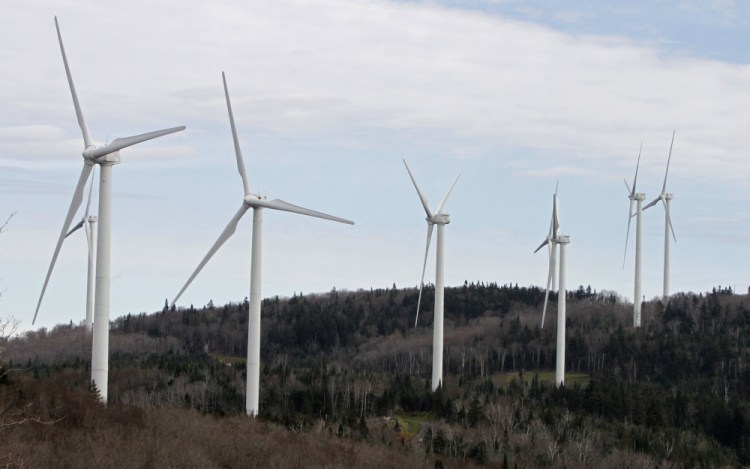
226, 359
411, 423
544, 377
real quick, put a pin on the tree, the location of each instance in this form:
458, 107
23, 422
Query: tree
9, 325
8, 328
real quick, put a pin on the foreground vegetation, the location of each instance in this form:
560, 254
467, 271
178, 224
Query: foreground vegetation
345, 383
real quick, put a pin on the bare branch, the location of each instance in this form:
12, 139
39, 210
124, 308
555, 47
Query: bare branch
4, 226
23, 420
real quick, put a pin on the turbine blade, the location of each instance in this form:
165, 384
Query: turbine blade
223, 237
89, 239
630, 210
669, 220
551, 232
419, 192
652, 203
237, 151
120, 143
445, 197
424, 267
637, 165
549, 283
277, 204
555, 223
91, 190
75, 228
74, 204
627, 235
81, 122
90, 272
628, 186
666, 173
544, 243
544, 309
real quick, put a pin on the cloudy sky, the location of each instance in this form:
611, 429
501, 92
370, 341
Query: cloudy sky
329, 97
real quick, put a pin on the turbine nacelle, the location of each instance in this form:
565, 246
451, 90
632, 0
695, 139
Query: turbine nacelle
439, 219
252, 199
107, 158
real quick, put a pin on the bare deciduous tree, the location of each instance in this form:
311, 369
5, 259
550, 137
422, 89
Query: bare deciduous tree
8, 328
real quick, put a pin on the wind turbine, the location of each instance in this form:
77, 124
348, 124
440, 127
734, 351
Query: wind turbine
638, 198
436, 217
87, 222
552, 240
665, 198
256, 202
105, 156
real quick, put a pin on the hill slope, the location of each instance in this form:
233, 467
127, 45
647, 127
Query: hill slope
346, 368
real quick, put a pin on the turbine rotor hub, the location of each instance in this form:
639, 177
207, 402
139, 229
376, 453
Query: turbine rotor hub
87, 153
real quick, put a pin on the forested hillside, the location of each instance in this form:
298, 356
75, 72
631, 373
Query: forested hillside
347, 372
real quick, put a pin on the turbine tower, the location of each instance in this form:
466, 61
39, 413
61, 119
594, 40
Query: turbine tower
87, 223
105, 156
638, 198
551, 241
256, 202
665, 198
436, 217
563, 241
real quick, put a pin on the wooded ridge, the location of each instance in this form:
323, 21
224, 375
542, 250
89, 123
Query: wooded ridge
345, 379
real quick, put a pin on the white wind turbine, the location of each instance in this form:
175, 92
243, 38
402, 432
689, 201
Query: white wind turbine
257, 202
436, 217
87, 223
105, 156
638, 198
665, 198
552, 240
